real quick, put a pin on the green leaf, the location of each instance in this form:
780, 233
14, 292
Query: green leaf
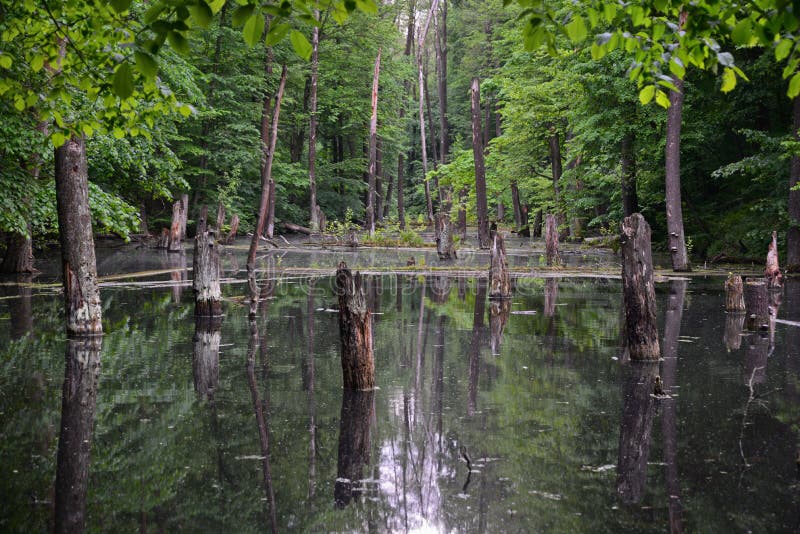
794, 85
783, 49
300, 44
646, 94
276, 33
185, 110
146, 64
576, 29
178, 42
676, 67
118, 132
241, 15
123, 81
201, 14
19, 103
58, 139
662, 99
5, 61
216, 5
120, 6
37, 63
151, 15
253, 28
367, 6
743, 32
728, 80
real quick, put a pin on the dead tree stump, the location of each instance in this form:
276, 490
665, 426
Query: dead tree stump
207, 293
756, 303
734, 294
175, 235
499, 278
202, 220
551, 240
638, 290
445, 246
234, 228
772, 273
322, 221
184, 200
355, 331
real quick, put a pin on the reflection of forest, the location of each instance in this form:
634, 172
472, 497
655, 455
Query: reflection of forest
539, 420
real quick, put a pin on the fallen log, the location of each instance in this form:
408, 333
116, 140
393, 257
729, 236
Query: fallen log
296, 228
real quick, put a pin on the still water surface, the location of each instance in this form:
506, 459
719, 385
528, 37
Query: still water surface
242, 426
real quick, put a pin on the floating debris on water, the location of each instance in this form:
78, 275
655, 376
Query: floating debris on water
598, 469
546, 495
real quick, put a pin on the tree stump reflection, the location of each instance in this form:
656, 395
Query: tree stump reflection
205, 356
357, 414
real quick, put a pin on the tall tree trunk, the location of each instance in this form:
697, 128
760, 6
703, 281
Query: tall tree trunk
401, 214
516, 205
554, 143
379, 181
373, 146
441, 74
630, 200
676, 240
480, 170
312, 129
793, 238
271, 213
421, 81
81, 292
387, 201
268, 141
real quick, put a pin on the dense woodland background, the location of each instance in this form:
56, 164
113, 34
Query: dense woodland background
560, 131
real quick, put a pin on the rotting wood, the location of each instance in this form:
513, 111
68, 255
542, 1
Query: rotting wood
206, 275
551, 240
373, 207
297, 228
772, 272
638, 291
234, 228
756, 304
499, 279
202, 220
184, 200
220, 216
355, 331
734, 293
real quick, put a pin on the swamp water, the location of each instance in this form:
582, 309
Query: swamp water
239, 426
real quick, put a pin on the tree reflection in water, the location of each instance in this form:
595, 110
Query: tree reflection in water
358, 412
79, 398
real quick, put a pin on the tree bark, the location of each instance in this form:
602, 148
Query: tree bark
387, 202
554, 144
19, 254
676, 240
207, 293
220, 216
441, 77
756, 303
551, 240
445, 246
630, 199
734, 294
401, 214
268, 142
499, 277
271, 214
355, 331
175, 234
78, 402
234, 228
793, 237
480, 169
421, 82
373, 147
537, 224
81, 292
518, 222
638, 291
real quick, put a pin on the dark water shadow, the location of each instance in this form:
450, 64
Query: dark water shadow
357, 415
79, 399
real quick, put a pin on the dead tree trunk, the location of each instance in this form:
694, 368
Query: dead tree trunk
772, 273
220, 217
81, 292
630, 199
551, 240
268, 142
207, 293
445, 246
373, 147
480, 169
537, 224
677, 241
184, 200
756, 303
312, 129
499, 277
638, 290
271, 213
355, 331
175, 236
234, 228
421, 83
516, 206
734, 298
202, 219
19, 254
462, 213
